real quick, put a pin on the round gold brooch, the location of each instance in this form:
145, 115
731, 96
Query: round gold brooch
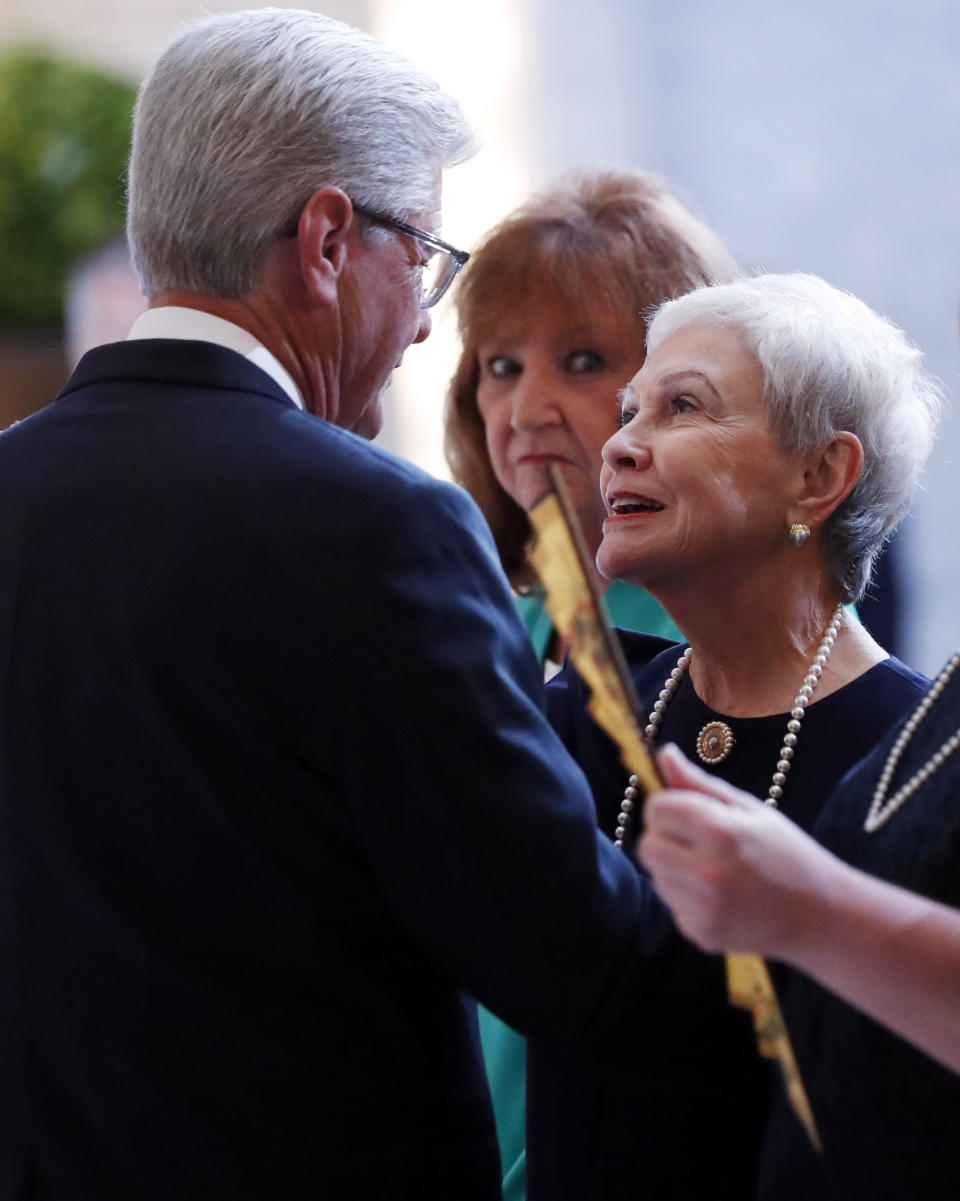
715, 742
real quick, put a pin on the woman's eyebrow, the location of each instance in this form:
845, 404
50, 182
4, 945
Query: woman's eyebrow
676, 376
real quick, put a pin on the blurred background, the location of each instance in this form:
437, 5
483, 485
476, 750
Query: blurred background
820, 137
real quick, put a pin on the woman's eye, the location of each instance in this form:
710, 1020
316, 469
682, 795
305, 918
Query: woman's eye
625, 417
500, 366
585, 361
682, 404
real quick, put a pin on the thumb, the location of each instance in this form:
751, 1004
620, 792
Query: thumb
679, 772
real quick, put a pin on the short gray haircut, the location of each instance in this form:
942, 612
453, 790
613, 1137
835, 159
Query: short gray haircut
247, 114
829, 364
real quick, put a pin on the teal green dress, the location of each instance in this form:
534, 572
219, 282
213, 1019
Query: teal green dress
504, 1050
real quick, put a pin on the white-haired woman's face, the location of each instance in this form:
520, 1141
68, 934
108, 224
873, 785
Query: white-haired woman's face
547, 393
693, 483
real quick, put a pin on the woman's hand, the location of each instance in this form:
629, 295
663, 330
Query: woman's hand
741, 877
737, 874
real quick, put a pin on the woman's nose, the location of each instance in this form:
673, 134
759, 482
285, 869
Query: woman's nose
627, 448
534, 403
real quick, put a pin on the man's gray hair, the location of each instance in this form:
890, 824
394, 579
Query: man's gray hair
247, 114
829, 364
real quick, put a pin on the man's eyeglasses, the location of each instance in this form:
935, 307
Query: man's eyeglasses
440, 270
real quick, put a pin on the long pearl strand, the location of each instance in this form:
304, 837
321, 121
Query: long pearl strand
787, 750
882, 809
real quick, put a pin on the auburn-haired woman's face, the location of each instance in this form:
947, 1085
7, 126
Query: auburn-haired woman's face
548, 392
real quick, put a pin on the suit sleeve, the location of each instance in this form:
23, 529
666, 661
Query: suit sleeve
480, 827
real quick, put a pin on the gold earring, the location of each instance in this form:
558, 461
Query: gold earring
799, 533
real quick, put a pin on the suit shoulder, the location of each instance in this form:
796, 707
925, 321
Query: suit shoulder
361, 467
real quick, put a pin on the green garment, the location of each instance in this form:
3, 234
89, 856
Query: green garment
627, 606
504, 1050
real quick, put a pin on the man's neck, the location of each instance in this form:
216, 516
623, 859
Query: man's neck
181, 322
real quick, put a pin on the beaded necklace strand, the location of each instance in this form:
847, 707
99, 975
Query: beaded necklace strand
881, 809
716, 740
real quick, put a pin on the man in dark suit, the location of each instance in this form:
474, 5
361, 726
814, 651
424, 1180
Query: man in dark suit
274, 778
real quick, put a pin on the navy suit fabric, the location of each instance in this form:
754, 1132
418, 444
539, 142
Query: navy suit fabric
274, 776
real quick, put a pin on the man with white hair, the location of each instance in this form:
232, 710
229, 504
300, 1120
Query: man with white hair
274, 779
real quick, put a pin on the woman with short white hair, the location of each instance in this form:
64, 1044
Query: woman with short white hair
769, 444
829, 364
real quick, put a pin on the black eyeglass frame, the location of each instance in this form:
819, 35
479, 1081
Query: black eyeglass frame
457, 257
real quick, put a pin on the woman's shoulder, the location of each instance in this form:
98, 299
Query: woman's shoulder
905, 676
567, 693
889, 684
650, 659
857, 717
643, 650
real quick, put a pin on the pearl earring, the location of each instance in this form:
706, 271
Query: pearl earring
799, 534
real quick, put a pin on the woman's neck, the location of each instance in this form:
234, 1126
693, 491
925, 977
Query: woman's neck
752, 646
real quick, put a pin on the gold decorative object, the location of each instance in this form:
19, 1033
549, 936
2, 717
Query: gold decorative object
715, 742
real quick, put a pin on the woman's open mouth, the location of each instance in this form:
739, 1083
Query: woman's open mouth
622, 506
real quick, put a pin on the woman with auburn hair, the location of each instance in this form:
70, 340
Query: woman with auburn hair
551, 310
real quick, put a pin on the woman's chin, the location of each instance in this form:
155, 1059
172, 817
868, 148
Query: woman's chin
619, 567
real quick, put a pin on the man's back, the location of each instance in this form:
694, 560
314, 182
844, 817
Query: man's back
229, 751
274, 775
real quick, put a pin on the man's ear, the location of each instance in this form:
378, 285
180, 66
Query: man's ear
831, 474
322, 236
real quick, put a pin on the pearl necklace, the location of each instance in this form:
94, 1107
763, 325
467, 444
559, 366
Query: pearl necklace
882, 809
720, 732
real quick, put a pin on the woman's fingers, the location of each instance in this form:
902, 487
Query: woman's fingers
690, 818
736, 874
685, 878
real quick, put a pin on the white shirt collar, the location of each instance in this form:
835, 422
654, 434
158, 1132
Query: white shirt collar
174, 321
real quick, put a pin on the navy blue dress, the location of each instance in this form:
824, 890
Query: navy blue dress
684, 1118
887, 1113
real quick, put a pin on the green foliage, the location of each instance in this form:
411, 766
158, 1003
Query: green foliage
64, 137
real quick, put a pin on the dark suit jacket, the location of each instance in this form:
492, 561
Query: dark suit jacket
274, 784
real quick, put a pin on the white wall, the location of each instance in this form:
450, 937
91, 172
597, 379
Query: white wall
126, 35
820, 137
